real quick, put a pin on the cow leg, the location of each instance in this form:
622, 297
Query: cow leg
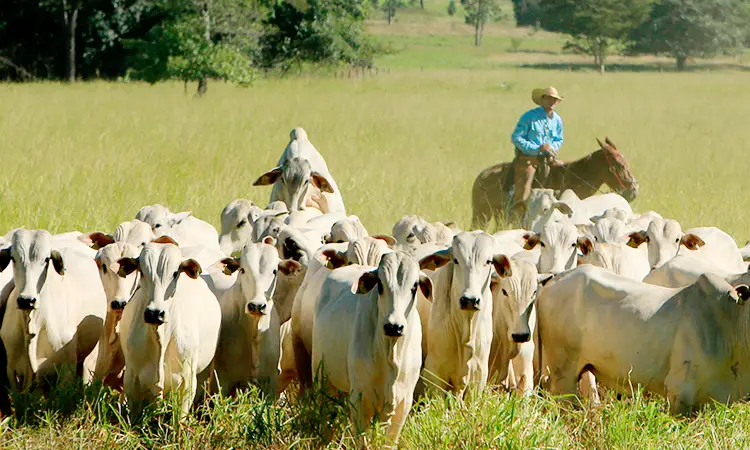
89, 365
303, 364
131, 388
188, 395
399, 419
523, 365
681, 388
587, 385
362, 411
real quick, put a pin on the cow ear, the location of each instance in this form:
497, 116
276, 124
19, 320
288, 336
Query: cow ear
585, 245
532, 239
177, 218
127, 266
320, 182
389, 240
57, 262
268, 178
692, 242
544, 278
96, 240
290, 267
230, 265
191, 268
436, 260
425, 285
563, 208
270, 240
4, 258
334, 259
636, 238
165, 240
366, 282
143, 212
502, 266
743, 292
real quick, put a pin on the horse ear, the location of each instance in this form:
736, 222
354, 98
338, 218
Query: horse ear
609, 141
600, 143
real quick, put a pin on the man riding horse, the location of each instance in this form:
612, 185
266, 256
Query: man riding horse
537, 139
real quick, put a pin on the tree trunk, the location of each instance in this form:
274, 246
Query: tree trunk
203, 82
390, 11
681, 62
70, 16
478, 33
421, 3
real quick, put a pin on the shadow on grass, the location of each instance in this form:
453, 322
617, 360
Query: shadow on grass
636, 67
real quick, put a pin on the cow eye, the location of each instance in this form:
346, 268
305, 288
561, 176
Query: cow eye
242, 270
542, 244
414, 289
455, 261
104, 268
158, 225
677, 240
505, 293
176, 274
275, 271
46, 260
340, 241
242, 223
574, 244
489, 261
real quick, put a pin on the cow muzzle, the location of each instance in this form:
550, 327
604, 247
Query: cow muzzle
257, 309
520, 338
469, 303
118, 304
393, 330
154, 316
26, 303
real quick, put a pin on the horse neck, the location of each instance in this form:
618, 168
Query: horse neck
584, 176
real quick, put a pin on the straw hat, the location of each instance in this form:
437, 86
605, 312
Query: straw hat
537, 94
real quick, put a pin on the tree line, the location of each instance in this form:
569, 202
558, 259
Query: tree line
189, 40
680, 29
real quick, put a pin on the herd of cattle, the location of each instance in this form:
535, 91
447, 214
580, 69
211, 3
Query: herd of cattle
586, 292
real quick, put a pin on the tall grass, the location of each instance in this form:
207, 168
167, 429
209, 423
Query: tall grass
89, 156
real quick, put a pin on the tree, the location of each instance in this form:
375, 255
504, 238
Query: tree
316, 31
478, 13
690, 28
595, 26
451, 7
186, 49
527, 12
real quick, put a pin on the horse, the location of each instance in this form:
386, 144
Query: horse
491, 193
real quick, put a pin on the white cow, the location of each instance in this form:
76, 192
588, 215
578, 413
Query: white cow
110, 361
615, 256
367, 251
559, 247
683, 270
514, 319
134, 232
55, 312
301, 178
249, 347
182, 227
595, 205
412, 231
367, 336
460, 328
346, 230
169, 328
237, 220
666, 240
687, 344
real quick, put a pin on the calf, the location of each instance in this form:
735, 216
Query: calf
367, 337
460, 328
55, 311
250, 345
183, 228
169, 328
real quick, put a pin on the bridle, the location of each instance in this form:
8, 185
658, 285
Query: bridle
610, 167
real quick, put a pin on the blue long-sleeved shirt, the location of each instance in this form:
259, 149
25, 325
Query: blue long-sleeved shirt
536, 128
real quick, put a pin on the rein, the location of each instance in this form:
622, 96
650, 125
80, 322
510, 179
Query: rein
613, 172
596, 189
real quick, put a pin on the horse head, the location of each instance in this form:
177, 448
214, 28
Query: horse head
619, 178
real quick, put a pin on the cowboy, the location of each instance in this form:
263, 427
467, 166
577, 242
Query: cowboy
538, 136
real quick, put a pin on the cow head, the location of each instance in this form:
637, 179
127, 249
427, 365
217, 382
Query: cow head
664, 238
397, 279
161, 266
346, 230
473, 259
118, 289
559, 246
237, 219
366, 251
515, 296
161, 219
258, 266
619, 177
294, 177
34, 261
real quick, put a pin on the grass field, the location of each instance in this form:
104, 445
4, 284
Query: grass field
410, 140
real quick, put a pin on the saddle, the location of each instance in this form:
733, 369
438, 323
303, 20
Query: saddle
540, 177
